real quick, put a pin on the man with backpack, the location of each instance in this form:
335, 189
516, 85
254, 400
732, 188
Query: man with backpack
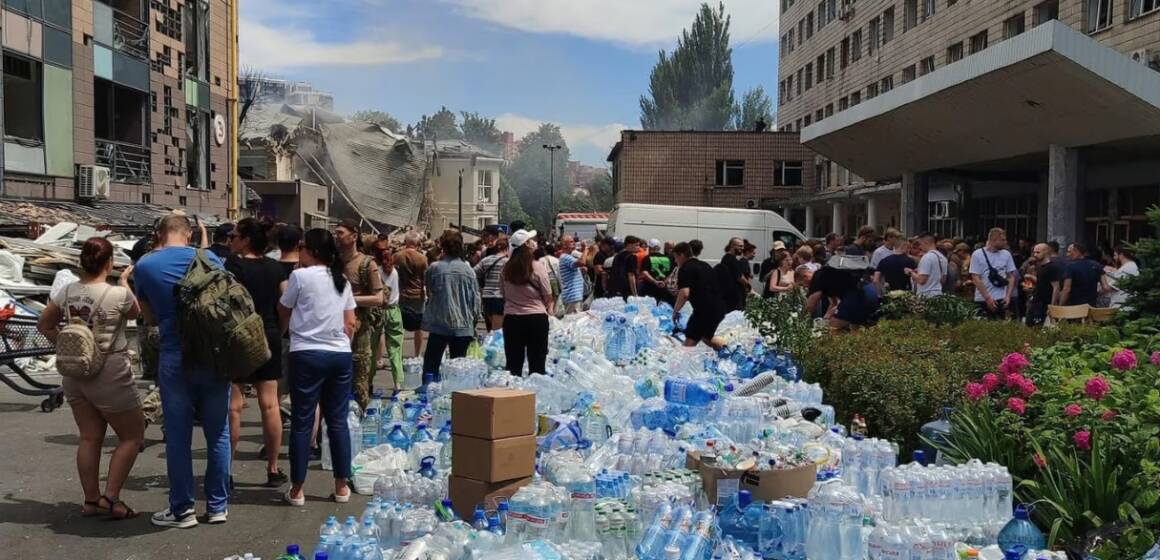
186, 387
367, 285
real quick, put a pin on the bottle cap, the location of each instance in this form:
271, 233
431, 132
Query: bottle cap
920, 456
321, 556
1021, 512
292, 549
744, 498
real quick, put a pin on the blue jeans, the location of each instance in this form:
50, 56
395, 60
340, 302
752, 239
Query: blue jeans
184, 391
319, 376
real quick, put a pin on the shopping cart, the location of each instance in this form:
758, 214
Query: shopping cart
20, 339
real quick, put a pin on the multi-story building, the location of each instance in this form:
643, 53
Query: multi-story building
1040, 116
464, 181
145, 89
735, 169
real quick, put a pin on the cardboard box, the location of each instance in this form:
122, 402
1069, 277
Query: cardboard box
493, 413
767, 485
491, 460
466, 493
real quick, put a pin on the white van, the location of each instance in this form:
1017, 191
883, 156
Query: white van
713, 226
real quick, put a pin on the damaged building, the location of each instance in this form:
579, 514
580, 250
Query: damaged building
120, 102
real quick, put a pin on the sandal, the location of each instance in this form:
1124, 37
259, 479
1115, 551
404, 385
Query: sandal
96, 509
130, 513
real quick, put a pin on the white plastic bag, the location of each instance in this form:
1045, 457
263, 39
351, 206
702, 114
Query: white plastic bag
372, 463
63, 278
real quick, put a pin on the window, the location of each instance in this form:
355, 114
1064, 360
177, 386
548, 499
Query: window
320, 205
119, 113
787, 173
1099, 15
196, 29
856, 46
819, 115
791, 43
798, 125
855, 98
909, 15
843, 103
197, 131
875, 33
1013, 26
926, 66
484, 186
800, 80
182, 201
810, 76
1047, 11
955, 52
907, 75
887, 25
146, 198
844, 61
784, 6
23, 98
730, 172
829, 110
928, 7
821, 14
830, 56
831, 9
809, 25
808, 120
801, 30
978, 41
821, 67
1137, 7
872, 90
887, 84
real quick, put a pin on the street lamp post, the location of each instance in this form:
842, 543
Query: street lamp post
460, 226
552, 183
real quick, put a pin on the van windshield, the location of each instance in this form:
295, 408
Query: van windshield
789, 238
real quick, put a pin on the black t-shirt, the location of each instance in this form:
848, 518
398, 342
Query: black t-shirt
1051, 271
704, 295
262, 278
220, 250
287, 268
623, 264
729, 271
1085, 281
833, 283
893, 270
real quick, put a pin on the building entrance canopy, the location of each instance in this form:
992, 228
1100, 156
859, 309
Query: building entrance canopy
1050, 85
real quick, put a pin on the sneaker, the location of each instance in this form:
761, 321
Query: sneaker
184, 520
216, 518
276, 479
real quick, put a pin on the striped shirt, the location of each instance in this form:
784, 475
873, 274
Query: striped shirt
571, 279
492, 267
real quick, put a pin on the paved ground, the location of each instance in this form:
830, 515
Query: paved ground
40, 497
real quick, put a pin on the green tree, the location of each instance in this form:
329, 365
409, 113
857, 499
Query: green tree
510, 208
692, 88
529, 173
755, 104
597, 197
381, 118
481, 131
442, 125
1144, 289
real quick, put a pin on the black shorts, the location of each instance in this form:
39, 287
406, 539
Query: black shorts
492, 306
702, 326
412, 311
272, 369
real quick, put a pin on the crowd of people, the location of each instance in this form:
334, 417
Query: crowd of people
336, 305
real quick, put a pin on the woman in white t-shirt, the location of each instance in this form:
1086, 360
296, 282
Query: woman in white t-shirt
318, 307
1127, 267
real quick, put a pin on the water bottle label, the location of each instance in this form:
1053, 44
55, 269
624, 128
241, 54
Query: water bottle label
536, 520
583, 496
891, 553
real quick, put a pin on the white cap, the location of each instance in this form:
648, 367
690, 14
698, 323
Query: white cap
654, 244
520, 237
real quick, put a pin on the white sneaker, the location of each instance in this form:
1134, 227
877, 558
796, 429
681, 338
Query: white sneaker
296, 502
184, 520
216, 518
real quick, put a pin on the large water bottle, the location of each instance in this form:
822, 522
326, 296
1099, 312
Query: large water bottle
690, 392
582, 522
699, 542
369, 530
354, 426
398, 439
655, 532
1021, 531
595, 427
370, 429
421, 435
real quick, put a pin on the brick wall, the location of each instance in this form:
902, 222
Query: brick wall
676, 167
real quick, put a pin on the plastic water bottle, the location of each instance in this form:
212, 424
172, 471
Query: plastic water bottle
1021, 531
293, 552
369, 530
330, 528
595, 427
421, 435
370, 429
320, 549
690, 392
444, 433
354, 426
398, 438
479, 519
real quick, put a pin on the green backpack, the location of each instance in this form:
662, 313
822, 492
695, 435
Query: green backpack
219, 328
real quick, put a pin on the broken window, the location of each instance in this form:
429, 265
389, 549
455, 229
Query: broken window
978, 41
926, 66
119, 113
196, 31
483, 182
197, 131
1099, 15
23, 98
730, 172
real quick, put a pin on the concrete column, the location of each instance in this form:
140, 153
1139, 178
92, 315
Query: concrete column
809, 221
913, 207
871, 211
839, 218
1062, 194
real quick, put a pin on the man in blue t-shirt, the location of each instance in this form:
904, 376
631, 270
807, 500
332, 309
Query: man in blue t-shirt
1083, 278
571, 276
184, 388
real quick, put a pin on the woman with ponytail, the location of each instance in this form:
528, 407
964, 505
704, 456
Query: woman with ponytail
318, 308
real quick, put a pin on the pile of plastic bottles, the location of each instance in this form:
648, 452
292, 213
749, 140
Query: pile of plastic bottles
973, 501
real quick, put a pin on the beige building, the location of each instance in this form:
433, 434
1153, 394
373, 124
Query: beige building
1042, 117
476, 198
137, 96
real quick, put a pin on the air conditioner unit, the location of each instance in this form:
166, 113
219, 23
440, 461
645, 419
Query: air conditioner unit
1147, 57
752, 203
93, 182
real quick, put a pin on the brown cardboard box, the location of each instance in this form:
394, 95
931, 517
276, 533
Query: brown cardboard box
466, 493
492, 460
493, 413
719, 482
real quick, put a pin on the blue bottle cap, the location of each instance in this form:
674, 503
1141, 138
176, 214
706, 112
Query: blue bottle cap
744, 498
292, 550
503, 506
321, 556
920, 456
1021, 512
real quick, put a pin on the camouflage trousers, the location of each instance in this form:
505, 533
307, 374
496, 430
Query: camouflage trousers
149, 349
362, 349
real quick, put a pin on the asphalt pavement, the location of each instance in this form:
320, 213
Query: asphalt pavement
40, 497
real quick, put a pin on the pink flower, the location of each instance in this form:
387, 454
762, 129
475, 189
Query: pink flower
1028, 388
1108, 415
1017, 405
976, 391
1083, 440
1155, 359
991, 381
1096, 388
1013, 363
1072, 410
1015, 380
1039, 460
1124, 360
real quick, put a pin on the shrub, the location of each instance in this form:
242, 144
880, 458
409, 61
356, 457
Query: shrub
782, 322
946, 309
1144, 290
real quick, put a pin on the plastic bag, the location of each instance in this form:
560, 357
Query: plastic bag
372, 463
63, 278
475, 351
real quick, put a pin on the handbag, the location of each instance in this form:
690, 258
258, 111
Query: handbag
997, 280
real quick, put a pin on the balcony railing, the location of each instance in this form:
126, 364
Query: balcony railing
130, 35
129, 163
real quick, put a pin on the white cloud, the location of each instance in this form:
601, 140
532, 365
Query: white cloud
640, 23
579, 136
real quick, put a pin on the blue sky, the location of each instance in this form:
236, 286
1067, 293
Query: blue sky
582, 64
